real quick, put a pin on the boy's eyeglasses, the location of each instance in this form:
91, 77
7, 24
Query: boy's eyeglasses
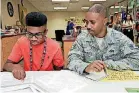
37, 35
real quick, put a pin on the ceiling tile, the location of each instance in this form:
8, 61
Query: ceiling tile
48, 5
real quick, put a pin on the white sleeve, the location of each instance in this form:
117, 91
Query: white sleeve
123, 22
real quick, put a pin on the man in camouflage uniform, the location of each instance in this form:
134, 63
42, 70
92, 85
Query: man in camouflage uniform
102, 47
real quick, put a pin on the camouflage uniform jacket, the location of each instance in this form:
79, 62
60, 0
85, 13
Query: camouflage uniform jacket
119, 52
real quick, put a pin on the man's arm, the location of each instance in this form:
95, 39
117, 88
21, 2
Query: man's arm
75, 58
16, 69
58, 61
130, 58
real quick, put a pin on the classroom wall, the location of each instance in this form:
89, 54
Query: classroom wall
6, 19
56, 20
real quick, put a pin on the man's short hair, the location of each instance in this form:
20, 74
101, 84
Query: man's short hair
35, 19
98, 8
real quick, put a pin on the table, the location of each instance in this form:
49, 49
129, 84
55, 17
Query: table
112, 87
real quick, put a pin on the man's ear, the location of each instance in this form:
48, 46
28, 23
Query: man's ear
105, 21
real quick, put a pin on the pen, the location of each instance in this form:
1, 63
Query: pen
105, 71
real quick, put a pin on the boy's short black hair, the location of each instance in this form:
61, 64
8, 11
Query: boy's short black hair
35, 19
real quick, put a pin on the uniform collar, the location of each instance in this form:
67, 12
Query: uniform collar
108, 38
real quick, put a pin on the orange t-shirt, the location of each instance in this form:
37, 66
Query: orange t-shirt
53, 54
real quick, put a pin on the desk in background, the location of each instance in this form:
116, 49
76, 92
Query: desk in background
67, 43
8, 41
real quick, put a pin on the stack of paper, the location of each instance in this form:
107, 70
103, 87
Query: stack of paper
62, 81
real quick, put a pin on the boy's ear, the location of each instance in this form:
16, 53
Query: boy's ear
45, 31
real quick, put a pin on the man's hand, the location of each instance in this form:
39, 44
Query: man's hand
18, 72
95, 66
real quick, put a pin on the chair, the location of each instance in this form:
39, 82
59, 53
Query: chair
59, 34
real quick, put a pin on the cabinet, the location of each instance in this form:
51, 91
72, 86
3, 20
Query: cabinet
6, 47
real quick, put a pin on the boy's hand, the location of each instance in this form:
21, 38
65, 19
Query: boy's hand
18, 72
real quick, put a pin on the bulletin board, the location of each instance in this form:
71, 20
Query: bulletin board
77, 21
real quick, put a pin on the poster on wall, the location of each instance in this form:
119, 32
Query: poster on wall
22, 13
77, 21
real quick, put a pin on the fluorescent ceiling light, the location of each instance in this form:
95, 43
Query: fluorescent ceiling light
97, 0
84, 8
58, 8
60, 0
117, 7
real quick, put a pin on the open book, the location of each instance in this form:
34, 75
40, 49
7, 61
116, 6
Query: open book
11, 85
59, 81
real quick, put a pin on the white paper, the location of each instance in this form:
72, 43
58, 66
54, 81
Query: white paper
63, 80
60, 81
11, 85
31, 88
96, 76
15, 88
7, 80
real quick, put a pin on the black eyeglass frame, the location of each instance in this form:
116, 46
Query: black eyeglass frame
38, 35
